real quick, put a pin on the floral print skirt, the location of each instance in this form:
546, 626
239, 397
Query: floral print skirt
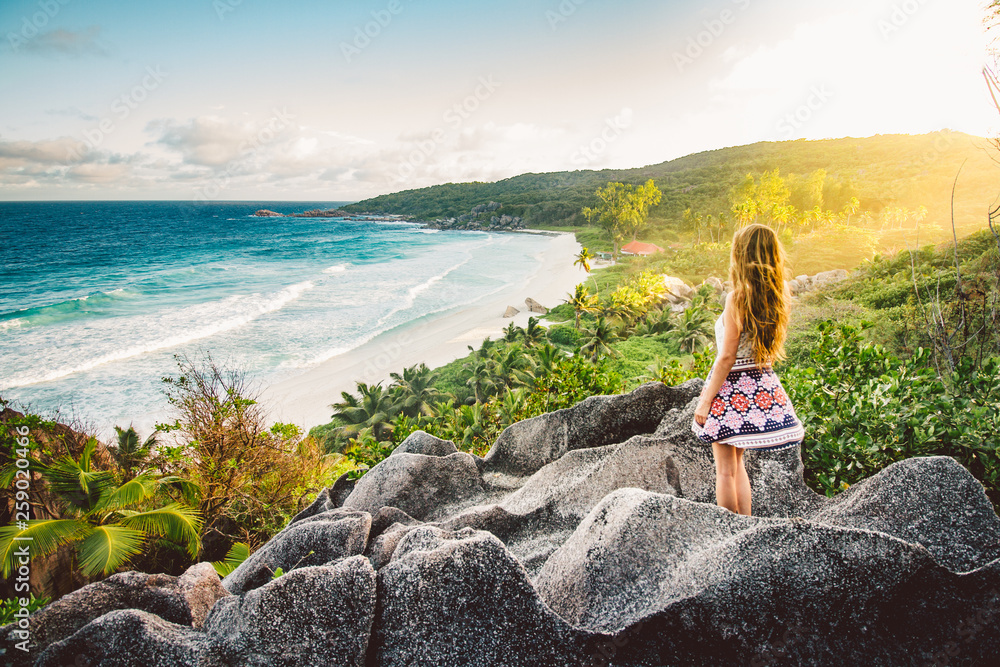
751, 411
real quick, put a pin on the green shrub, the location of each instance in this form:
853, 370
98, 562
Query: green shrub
565, 335
864, 409
11, 606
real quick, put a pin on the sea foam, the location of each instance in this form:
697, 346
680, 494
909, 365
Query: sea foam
190, 324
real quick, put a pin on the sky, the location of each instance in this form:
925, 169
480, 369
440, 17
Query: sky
329, 100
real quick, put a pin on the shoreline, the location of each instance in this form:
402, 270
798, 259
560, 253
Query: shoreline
436, 340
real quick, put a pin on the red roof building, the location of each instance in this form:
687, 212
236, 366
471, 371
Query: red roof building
642, 249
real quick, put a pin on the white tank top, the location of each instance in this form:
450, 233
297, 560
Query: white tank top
745, 350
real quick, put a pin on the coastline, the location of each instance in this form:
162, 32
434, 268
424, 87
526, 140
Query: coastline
435, 340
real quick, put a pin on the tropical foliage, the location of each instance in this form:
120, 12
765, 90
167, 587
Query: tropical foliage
108, 522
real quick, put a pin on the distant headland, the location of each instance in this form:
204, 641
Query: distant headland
485, 217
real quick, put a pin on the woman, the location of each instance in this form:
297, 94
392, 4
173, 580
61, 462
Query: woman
743, 405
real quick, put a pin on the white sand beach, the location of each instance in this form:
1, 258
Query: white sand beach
305, 399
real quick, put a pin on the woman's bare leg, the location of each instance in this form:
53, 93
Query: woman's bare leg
743, 493
725, 476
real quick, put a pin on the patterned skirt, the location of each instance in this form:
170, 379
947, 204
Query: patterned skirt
751, 411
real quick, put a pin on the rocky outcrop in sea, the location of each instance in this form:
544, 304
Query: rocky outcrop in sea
324, 213
588, 536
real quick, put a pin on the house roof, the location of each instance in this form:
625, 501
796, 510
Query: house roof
639, 248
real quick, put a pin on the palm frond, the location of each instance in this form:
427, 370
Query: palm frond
190, 490
107, 548
176, 522
238, 553
131, 492
46, 535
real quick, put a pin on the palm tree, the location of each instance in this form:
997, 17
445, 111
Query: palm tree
109, 523
512, 333
512, 406
583, 260
129, 454
692, 330
535, 333
599, 339
545, 359
485, 349
374, 407
582, 302
511, 366
415, 390
470, 424
851, 208
658, 371
480, 378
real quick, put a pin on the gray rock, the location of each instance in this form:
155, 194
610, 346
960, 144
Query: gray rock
829, 278
535, 307
629, 554
494, 615
131, 637
185, 600
319, 615
389, 525
510, 312
678, 291
590, 536
416, 483
523, 448
715, 284
668, 565
420, 442
330, 535
933, 501
320, 504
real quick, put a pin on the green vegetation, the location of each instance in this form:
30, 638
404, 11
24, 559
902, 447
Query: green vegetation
911, 367
901, 360
108, 518
622, 211
530, 371
215, 477
11, 606
891, 176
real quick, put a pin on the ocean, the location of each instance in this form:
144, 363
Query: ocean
97, 298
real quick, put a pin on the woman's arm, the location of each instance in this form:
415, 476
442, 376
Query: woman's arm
724, 360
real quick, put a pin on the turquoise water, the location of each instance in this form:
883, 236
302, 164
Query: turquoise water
96, 298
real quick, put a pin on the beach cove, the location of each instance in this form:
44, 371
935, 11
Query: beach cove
434, 340
306, 307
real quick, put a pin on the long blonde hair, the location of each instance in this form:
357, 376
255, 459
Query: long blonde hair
761, 300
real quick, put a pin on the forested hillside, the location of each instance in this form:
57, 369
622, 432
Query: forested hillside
900, 172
